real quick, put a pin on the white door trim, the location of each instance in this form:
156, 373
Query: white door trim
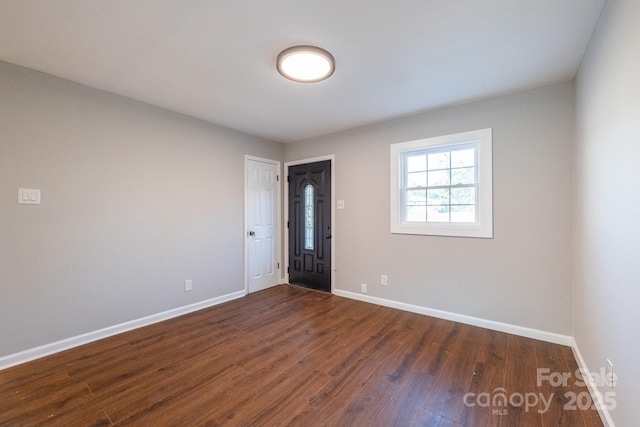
332, 158
278, 221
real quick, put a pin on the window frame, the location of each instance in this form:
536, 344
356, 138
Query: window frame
483, 227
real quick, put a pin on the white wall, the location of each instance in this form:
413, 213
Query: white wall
523, 275
135, 200
607, 203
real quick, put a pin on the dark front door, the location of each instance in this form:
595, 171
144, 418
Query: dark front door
310, 225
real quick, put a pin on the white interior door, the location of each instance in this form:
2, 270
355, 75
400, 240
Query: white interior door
262, 224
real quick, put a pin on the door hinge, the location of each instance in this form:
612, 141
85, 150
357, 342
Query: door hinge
288, 178
287, 270
287, 224
277, 177
278, 266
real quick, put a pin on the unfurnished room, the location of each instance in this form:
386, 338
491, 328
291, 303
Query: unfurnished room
319, 213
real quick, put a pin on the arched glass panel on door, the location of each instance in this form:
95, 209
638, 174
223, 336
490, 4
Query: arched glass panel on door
308, 217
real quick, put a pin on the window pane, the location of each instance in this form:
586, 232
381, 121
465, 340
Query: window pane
463, 214
463, 196
463, 158
417, 179
308, 217
416, 214
417, 163
463, 176
416, 197
437, 213
437, 178
438, 197
439, 161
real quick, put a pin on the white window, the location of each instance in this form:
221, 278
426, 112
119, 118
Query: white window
442, 186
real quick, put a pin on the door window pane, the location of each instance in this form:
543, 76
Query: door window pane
308, 217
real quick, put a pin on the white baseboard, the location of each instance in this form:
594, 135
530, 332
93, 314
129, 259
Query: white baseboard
58, 346
469, 320
593, 389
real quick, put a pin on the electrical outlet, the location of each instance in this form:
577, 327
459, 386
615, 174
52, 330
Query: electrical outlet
188, 285
363, 288
383, 279
610, 380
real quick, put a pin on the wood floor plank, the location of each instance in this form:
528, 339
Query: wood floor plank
45, 403
590, 416
455, 378
186, 405
280, 400
554, 386
520, 379
390, 395
364, 337
402, 389
19, 390
290, 402
430, 419
363, 378
125, 399
289, 356
488, 377
84, 415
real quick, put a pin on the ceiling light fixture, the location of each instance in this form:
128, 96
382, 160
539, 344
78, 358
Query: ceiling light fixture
306, 64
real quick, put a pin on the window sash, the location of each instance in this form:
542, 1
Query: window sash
405, 155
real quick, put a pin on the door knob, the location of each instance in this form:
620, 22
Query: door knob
329, 236
252, 233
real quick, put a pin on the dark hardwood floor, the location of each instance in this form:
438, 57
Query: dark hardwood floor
293, 356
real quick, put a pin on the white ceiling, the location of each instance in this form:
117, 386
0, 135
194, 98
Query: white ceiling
215, 59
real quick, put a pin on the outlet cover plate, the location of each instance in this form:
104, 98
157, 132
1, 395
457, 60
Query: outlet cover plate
29, 196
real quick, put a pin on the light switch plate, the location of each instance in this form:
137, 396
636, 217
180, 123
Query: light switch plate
28, 196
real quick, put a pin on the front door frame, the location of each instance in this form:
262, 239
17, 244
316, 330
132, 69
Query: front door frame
278, 222
332, 158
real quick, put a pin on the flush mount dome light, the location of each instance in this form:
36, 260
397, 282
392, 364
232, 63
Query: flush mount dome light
306, 64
